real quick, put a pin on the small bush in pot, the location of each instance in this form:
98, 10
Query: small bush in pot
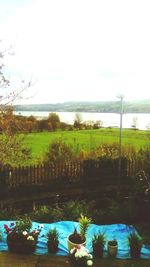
98, 242
135, 244
79, 238
53, 240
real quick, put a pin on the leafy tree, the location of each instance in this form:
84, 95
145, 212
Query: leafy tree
13, 151
54, 121
98, 124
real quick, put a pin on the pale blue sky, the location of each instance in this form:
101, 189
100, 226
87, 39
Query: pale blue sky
87, 50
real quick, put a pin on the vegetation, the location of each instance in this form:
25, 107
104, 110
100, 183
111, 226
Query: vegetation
12, 150
85, 141
80, 237
84, 223
142, 106
53, 240
59, 152
135, 244
98, 243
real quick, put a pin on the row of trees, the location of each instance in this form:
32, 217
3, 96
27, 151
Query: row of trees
13, 124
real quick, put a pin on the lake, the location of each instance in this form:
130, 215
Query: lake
108, 119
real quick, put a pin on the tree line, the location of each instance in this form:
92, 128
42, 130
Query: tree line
13, 124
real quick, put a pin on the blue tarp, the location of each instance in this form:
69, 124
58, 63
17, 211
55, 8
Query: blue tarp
119, 232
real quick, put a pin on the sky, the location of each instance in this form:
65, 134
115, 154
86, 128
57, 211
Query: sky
78, 50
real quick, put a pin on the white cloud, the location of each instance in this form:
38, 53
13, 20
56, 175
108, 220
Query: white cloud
83, 49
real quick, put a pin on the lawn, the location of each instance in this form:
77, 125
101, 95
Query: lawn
84, 140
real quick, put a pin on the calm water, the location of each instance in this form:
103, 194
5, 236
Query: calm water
108, 119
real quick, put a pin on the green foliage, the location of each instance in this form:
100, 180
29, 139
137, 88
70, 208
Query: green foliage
99, 240
135, 241
13, 151
143, 156
53, 121
59, 152
73, 209
47, 214
7, 214
23, 224
87, 141
53, 235
84, 223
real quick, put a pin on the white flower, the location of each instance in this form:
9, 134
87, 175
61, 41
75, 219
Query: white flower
89, 263
72, 250
90, 256
77, 254
81, 252
24, 233
30, 237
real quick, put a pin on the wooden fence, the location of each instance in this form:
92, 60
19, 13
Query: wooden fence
102, 170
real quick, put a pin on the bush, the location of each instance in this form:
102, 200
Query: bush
47, 214
73, 209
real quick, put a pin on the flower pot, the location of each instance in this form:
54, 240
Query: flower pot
74, 245
112, 249
98, 251
52, 248
135, 252
21, 247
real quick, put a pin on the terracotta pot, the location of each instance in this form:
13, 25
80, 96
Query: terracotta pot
74, 245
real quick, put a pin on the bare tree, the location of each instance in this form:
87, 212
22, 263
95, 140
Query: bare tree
135, 123
12, 150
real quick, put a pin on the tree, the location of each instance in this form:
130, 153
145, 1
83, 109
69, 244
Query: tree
135, 123
54, 121
7, 93
98, 124
78, 121
12, 150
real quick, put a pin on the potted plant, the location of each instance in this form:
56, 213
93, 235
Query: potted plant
135, 244
112, 247
98, 243
52, 240
79, 238
20, 237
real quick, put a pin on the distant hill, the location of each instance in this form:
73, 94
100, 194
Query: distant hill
142, 106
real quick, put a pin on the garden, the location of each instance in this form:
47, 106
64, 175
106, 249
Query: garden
74, 232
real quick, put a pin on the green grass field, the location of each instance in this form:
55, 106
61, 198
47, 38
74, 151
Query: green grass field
84, 139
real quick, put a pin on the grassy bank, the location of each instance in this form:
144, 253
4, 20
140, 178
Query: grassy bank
84, 140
